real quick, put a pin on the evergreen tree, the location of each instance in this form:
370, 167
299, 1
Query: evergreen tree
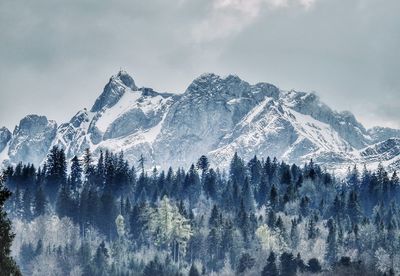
331, 242
353, 207
210, 184
237, 169
255, 169
64, 202
100, 260
203, 164
246, 262
88, 168
193, 271
27, 204
273, 197
39, 202
288, 264
247, 194
76, 174
270, 268
314, 265
108, 213
294, 234
154, 267
7, 264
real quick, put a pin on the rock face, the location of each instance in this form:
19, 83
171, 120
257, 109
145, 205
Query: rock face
32, 139
216, 116
208, 110
5, 136
114, 90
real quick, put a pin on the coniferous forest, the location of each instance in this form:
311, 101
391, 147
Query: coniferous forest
104, 216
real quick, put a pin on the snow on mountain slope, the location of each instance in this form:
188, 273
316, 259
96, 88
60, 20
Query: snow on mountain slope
216, 116
5, 137
208, 110
272, 128
129, 119
31, 139
382, 151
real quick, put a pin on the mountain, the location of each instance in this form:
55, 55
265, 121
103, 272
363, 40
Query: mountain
215, 116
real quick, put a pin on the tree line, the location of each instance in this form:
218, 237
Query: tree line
261, 217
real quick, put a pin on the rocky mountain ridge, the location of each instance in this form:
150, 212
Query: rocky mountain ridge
216, 116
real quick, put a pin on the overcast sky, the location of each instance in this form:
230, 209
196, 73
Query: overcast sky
56, 56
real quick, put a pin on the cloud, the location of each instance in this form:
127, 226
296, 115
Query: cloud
229, 17
57, 55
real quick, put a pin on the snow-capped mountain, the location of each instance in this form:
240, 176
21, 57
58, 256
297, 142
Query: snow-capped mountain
215, 116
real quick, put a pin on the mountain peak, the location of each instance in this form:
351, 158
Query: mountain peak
126, 79
5, 136
114, 90
209, 83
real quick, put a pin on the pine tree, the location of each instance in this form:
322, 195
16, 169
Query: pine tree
273, 197
312, 230
108, 213
247, 194
141, 163
153, 268
64, 202
56, 171
237, 169
27, 204
288, 264
270, 268
17, 203
203, 164
294, 234
137, 223
353, 207
193, 271
210, 183
7, 264
246, 262
88, 168
314, 266
263, 189
100, 260
76, 174
331, 242
214, 217
255, 169
39, 202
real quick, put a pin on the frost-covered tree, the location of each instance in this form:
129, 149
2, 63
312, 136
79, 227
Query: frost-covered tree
270, 239
170, 228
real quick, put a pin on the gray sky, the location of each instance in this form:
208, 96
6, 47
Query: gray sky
56, 56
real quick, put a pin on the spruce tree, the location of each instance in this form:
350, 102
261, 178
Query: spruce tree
247, 194
314, 266
7, 264
246, 262
64, 202
202, 164
153, 268
27, 204
193, 271
76, 174
288, 264
270, 268
237, 169
39, 202
331, 242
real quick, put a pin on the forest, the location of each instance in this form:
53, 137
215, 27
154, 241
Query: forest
104, 216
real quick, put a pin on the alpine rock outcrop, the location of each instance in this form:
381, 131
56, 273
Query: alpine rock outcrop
215, 116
